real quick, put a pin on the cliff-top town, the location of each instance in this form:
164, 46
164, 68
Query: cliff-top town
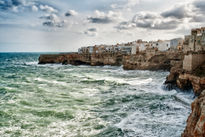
194, 42
192, 45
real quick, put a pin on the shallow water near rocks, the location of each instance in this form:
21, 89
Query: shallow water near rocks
66, 100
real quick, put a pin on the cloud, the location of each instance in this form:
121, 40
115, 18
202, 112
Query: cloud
149, 20
52, 20
153, 21
125, 25
104, 18
200, 5
34, 8
176, 12
194, 11
11, 4
173, 18
125, 4
48, 9
25, 5
91, 32
100, 20
71, 13
198, 18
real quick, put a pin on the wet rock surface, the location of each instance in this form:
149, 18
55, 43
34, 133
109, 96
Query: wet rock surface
196, 120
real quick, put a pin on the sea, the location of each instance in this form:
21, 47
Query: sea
55, 100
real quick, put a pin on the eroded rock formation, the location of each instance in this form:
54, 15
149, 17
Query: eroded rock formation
195, 80
196, 120
82, 59
187, 80
152, 60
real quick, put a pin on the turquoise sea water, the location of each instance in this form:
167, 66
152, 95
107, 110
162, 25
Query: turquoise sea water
74, 101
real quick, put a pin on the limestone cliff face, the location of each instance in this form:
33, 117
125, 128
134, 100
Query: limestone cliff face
196, 120
187, 80
82, 59
151, 60
55, 58
70, 58
191, 80
142, 61
106, 59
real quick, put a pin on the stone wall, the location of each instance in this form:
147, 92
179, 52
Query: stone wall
192, 61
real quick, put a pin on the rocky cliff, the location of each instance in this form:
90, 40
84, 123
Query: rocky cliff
152, 60
70, 58
143, 60
82, 59
195, 80
196, 120
187, 80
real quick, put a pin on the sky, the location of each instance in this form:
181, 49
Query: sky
66, 25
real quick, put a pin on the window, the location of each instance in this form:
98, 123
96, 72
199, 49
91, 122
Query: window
199, 41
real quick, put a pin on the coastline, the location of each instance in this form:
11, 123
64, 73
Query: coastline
171, 61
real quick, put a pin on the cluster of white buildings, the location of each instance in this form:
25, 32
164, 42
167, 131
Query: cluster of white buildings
134, 47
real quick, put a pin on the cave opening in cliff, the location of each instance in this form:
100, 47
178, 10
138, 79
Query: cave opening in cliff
79, 62
188, 86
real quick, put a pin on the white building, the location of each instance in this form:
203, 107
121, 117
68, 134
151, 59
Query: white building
90, 49
82, 50
125, 49
174, 43
163, 45
134, 49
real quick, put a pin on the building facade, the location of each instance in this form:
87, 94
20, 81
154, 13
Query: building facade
196, 41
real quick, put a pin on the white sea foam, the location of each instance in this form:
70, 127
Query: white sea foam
51, 81
32, 63
38, 96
